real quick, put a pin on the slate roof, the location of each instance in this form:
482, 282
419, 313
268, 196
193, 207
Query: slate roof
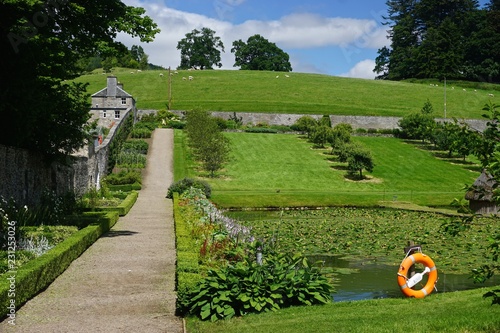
119, 93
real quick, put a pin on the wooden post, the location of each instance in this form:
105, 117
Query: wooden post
411, 249
169, 89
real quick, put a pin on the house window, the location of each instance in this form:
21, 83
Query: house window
104, 114
117, 114
124, 100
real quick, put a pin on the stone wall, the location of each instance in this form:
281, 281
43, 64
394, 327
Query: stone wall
366, 122
24, 174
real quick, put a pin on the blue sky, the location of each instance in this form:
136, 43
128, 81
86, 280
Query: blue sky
334, 37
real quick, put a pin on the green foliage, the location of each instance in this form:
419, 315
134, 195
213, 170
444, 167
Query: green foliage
37, 274
320, 136
417, 126
440, 40
281, 281
305, 124
130, 160
47, 114
123, 177
206, 140
359, 159
200, 49
120, 137
186, 183
356, 231
135, 146
54, 234
141, 133
260, 54
261, 130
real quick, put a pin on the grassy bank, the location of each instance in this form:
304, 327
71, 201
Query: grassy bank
258, 91
463, 311
269, 170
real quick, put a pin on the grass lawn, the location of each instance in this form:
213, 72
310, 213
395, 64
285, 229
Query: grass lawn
463, 311
274, 170
260, 91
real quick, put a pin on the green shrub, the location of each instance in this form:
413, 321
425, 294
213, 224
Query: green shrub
280, 281
135, 146
360, 130
141, 133
54, 234
131, 160
185, 183
261, 130
123, 177
126, 187
150, 125
177, 124
281, 128
221, 123
37, 274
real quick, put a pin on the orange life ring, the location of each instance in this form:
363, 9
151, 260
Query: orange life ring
406, 284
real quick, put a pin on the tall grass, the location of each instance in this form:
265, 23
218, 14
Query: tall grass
260, 91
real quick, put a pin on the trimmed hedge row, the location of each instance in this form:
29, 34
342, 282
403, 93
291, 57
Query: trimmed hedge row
125, 206
126, 187
187, 272
38, 274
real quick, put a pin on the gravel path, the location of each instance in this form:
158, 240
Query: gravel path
125, 281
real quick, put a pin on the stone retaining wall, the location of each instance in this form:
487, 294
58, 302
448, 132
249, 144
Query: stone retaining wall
366, 122
24, 174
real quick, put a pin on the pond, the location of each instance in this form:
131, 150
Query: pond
355, 280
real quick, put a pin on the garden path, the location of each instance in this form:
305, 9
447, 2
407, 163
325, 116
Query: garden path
125, 281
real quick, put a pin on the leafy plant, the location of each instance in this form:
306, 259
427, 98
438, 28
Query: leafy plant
123, 177
184, 184
248, 287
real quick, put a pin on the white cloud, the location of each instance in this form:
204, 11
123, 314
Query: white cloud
362, 70
295, 31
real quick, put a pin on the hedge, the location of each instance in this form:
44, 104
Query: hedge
39, 273
187, 272
126, 187
125, 206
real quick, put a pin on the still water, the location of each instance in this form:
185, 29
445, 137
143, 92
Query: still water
354, 280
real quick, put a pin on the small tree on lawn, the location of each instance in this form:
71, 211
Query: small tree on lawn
205, 138
320, 135
214, 152
360, 158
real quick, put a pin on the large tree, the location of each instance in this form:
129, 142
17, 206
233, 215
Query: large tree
41, 43
200, 49
260, 54
435, 38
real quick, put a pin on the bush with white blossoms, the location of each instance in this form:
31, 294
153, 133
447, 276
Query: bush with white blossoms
211, 214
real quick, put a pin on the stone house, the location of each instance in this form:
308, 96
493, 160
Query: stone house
111, 104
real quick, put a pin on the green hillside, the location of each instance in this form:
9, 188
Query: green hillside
256, 91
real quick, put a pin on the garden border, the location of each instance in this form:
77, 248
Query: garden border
187, 270
125, 206
39, 273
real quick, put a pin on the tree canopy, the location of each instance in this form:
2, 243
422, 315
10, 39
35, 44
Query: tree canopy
41, 43
200, 49
260, 54
440, 38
